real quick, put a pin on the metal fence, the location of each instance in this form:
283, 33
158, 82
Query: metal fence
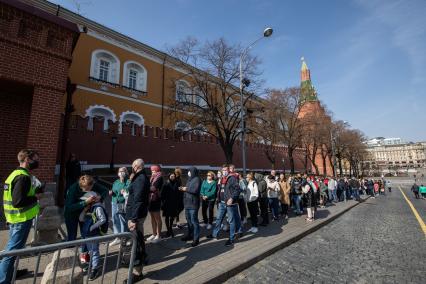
39, 251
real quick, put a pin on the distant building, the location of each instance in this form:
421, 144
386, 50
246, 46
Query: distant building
392, 154
378, 141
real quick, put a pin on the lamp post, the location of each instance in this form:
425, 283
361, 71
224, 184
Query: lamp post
244, 82
113, 141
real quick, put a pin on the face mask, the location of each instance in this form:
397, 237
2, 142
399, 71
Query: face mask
225, 173
33, 165
121, 175
189, 174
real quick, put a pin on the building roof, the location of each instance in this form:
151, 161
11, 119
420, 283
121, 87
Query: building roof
30, 9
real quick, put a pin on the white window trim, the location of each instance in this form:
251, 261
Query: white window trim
187, 85
93, 63
124, 114
89, 114
126, 70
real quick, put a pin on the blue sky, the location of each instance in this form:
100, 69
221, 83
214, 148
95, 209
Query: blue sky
367, 57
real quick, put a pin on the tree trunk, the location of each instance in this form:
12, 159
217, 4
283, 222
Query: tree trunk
324, 164
291, 159
306, 162
340, 166
330, 157
228, 152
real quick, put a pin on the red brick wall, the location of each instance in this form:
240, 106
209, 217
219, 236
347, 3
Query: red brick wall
159, 146
14, 120
34, 52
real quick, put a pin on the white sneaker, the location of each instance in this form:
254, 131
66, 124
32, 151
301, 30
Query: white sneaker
115, 242
209, 227
202, 224
152, 237
156, 240
254, 230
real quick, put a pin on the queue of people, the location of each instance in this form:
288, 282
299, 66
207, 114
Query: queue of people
137, 194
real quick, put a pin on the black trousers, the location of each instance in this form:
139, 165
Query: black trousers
242, 207
138, 232
253, 208
263, 203
207, 204
284, 209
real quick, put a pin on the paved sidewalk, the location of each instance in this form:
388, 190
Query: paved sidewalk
175, 261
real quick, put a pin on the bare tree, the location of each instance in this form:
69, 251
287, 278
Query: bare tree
266, 128
355, 152
289, 125
208, 101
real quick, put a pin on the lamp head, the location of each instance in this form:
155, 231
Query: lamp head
267, 32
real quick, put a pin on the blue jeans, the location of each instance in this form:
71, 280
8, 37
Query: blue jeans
355, 193
273, 204
297, 202
119, 223
193, 225
233, 219
95, 256
334, 195
18, 234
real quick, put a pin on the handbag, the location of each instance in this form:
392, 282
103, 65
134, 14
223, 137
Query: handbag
154, 194
121, 208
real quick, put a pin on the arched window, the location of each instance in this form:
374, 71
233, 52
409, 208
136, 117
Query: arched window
105, 66
102, 112
231, 107
132, 117
183, 92
182, 126
134, 76
199, 98
200, 129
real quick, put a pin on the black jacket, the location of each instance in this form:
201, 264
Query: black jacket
21, 185
138, 200
191, 197
230, 190
170, 198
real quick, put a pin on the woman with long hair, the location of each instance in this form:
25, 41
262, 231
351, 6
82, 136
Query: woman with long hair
156, 182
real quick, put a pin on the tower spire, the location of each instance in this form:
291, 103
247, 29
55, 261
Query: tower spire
304, 71
308, 92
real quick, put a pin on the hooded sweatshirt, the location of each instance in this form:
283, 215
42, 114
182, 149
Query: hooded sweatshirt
261, 184
191, 197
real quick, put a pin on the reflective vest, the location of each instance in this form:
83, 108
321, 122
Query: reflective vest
18, 215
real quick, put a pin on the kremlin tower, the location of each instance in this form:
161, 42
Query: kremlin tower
310, 105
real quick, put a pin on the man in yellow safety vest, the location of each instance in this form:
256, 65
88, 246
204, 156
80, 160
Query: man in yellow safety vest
20, 204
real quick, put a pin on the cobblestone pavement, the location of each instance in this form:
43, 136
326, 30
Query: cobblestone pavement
379, 241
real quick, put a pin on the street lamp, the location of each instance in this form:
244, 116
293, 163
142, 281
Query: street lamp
244, 83
113, 141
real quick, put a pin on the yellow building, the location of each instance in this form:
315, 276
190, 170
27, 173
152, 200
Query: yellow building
119, 79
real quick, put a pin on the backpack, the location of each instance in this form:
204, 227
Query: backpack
92, 219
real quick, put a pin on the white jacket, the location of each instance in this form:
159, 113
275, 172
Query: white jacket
332, 184
252, 192
273, 187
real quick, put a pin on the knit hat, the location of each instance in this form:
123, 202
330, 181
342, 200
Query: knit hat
155, 168
88, 194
